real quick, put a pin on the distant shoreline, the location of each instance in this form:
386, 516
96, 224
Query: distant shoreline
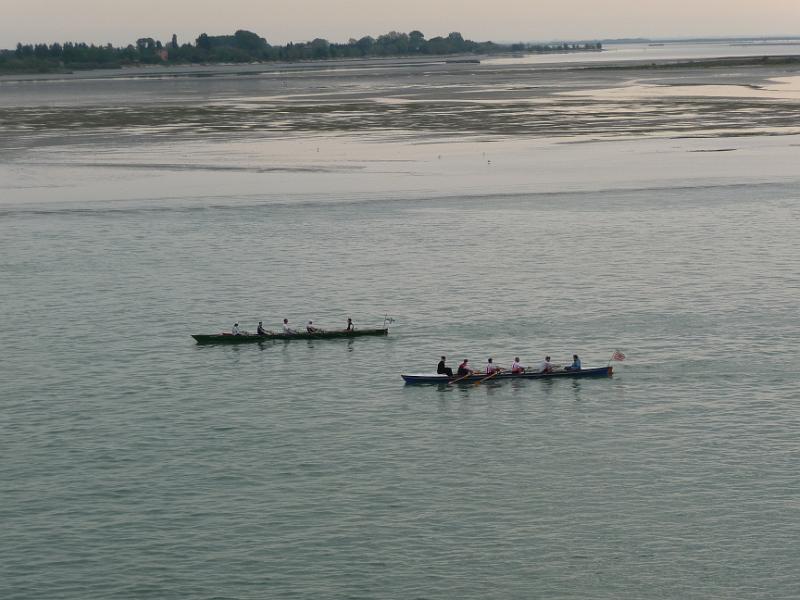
725, 61
177, 69
416, 58
245, 47
206, 69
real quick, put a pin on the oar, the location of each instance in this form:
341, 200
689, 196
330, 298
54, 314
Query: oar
480, 381
459, 379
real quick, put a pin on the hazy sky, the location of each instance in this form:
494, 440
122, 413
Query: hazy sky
121, 22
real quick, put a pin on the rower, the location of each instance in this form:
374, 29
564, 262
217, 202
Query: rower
516, 367
463, 369
491, 368
546, 366
260, 330
576, 364
442, 370
286, 329
350, 326
235, 329
311, 329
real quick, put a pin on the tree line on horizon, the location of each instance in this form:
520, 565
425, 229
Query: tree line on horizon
245, 46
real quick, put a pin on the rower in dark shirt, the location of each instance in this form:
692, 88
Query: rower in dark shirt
261, 330
350, 325
442, 370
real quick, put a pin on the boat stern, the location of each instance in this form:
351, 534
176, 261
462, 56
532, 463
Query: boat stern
424, 378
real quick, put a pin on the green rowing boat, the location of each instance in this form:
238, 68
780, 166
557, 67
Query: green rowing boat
227, 338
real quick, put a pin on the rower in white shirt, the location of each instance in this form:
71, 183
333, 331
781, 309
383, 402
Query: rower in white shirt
491, 367
235, 329
516, 367
286, 329
546, 366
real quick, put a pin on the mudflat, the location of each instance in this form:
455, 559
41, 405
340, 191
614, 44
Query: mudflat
408, 98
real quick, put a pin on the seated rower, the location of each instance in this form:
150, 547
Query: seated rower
311, 329
235, 329
492, 368
463, 369
576, 364
547, 366
350, 326
516, 367
442, 370
286, 329
261, 330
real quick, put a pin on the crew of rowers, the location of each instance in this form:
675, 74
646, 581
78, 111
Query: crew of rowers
516, 367
287, 329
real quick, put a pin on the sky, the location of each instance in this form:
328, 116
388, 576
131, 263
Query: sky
121, 23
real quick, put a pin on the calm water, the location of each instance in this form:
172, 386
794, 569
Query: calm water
136, 464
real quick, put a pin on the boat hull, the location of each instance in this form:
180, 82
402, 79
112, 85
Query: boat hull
432, 378
226, 338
